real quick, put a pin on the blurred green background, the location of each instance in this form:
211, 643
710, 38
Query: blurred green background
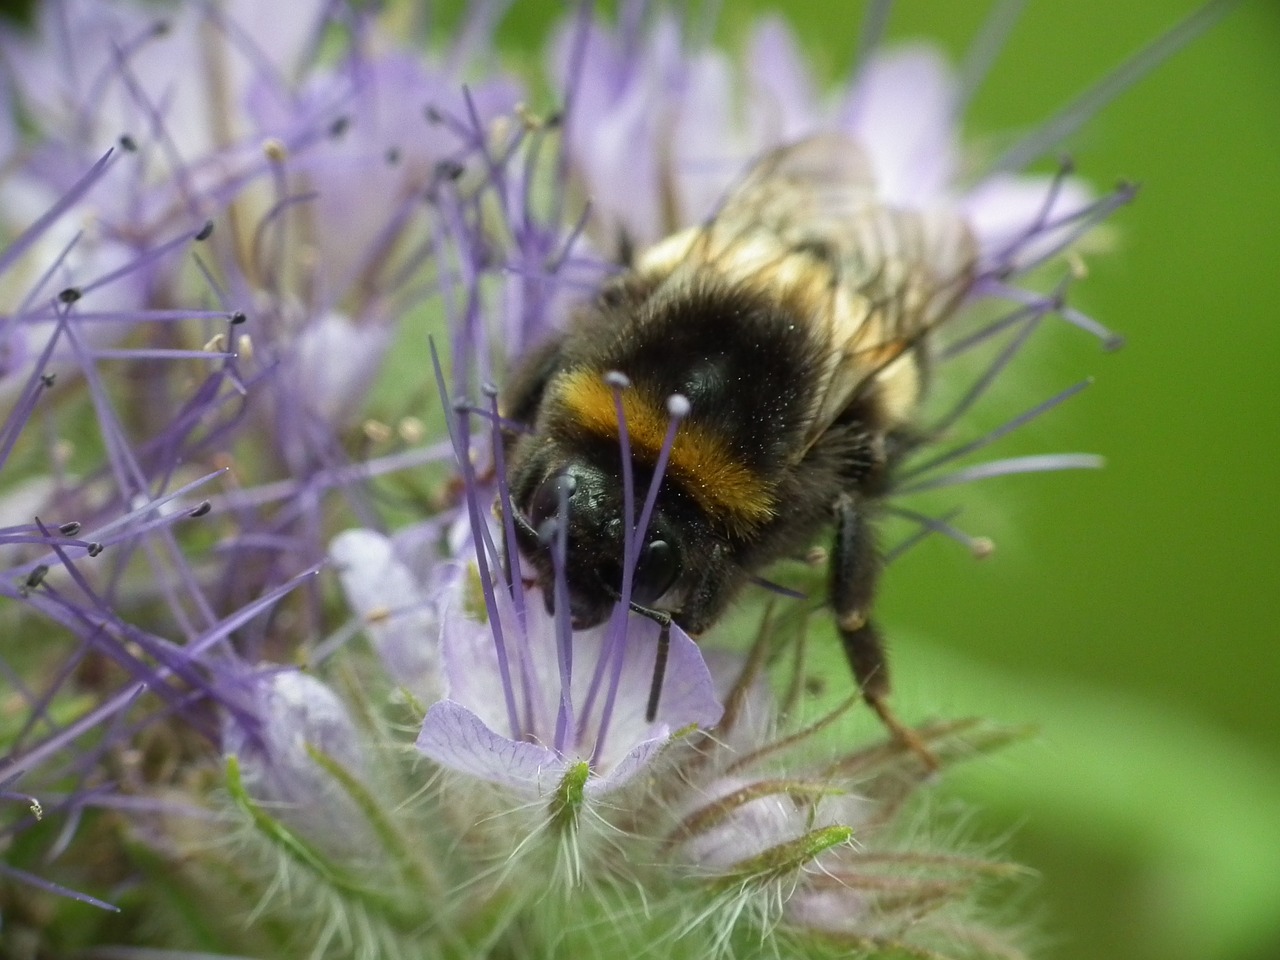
1126, 612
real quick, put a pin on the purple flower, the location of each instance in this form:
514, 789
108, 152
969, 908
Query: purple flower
505, 711
529, 731
174, 425
298, 726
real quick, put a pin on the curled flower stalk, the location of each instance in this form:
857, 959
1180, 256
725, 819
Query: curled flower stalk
308, 669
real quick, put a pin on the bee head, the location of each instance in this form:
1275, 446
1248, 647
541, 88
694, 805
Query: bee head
589, 502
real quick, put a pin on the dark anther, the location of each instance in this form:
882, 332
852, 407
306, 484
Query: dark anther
160, 28
612, 295
489, 389
393, 156
449, 169
204, 507
554, 119
48, 379
205, 232
238, 318
339, 127
70, 295
94, 549
36, 576
70, 528
432, 114
128, 143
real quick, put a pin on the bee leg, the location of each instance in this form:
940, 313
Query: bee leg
854, 571
663, 620
659, 670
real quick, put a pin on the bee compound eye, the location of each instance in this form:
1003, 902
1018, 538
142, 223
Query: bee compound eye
657, 570
545, 503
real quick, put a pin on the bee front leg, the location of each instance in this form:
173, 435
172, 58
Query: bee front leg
855, 569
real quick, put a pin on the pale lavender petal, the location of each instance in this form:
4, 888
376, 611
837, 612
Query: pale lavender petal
688, 691
295, 711
783, 105
1005, 209
620, 106
164, 50
399, 617
625, 138
473, 677
750, 829
85, 256
832, 908
621, 773
336, 361
282, 33
707, 150
763, 822
458, 740
901, 113
386, 154
474, 681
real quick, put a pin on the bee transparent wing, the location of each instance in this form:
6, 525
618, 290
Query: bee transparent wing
807, 221
806, 192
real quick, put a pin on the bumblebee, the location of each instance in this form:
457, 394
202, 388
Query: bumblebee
796, 323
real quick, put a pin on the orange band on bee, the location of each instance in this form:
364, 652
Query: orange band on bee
722, 486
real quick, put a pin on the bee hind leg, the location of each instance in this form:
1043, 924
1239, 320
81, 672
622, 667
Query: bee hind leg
854, 571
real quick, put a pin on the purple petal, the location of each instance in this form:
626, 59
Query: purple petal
294, 712
457, 739
1005, 208
709, 149
610, 731
784, 102
901, 113
688, 690
831, 908
399, 617
335, 364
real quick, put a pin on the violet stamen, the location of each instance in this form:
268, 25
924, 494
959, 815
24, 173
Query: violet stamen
460, 436
611, 654
564, 633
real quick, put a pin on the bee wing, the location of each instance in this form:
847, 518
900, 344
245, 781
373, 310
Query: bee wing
873, 279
